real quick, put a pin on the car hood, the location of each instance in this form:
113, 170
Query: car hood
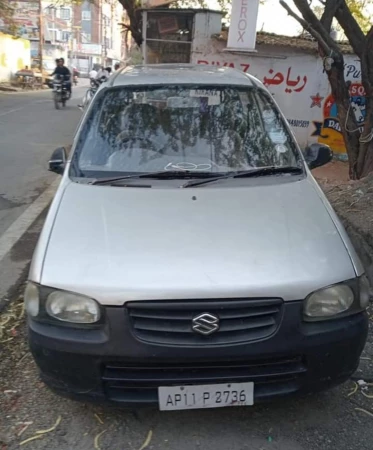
270, 240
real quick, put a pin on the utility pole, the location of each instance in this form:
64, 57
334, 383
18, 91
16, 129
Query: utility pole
72, 46
101, 29
41, 39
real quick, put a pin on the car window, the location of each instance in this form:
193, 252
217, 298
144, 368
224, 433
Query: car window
197, 128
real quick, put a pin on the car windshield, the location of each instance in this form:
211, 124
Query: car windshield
217, 129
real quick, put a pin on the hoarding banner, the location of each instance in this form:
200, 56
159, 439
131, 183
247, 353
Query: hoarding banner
242, 29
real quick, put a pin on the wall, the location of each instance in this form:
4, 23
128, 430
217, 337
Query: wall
113, 31
14, 55
299, 85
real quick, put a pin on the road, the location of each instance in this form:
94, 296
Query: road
30, 129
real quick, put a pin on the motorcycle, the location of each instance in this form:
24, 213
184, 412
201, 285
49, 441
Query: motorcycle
60, 91
95, 84
75, 80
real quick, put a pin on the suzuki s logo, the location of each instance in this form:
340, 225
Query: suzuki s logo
205, 324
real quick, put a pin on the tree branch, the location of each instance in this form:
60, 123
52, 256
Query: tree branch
351, 28
329, 13
325, 47
366, 61
125, 26
314, 22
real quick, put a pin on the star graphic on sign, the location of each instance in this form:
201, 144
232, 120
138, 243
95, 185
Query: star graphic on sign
316, 100
329, 104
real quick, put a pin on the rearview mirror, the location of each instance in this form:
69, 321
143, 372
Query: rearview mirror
57, 162
318, 155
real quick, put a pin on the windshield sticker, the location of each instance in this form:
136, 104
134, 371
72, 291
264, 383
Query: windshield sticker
213, 97
277, 137
280, 148
187, 166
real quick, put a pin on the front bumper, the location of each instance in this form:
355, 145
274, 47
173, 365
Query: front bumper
111, 364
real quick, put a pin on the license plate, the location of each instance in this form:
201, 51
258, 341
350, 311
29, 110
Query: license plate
172, 398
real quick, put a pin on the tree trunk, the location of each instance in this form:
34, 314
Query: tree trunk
364, 164
367, 167
346, 120
363, 47
135, 20
364, 161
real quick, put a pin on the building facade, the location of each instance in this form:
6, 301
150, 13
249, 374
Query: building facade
85, 35
96, 34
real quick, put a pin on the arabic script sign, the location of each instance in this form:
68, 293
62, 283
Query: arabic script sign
296, 85
242, 29
290, 80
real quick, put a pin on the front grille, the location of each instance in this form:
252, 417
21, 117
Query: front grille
126, 381
170, 323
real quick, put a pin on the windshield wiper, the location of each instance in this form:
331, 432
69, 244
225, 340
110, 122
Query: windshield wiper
261, 171
163, 174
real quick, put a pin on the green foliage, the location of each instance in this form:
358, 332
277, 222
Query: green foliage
358, 9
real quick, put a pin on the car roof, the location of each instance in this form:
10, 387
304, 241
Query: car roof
181, 74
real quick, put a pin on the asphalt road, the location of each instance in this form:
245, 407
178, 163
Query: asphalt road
30, 129
340, 419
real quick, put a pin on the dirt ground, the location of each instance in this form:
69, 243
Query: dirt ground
351, 199
338, 419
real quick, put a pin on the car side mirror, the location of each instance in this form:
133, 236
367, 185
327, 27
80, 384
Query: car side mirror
57, 162
318, 155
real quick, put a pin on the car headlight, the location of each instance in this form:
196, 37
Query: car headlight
344, 298
51, 305
69, 307
329, 302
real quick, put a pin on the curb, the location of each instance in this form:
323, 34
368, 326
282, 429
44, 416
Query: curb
9, 89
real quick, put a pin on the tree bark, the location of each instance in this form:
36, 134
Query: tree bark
368, 162
329, 13
350, 27
348, 126
363, 47
135, 20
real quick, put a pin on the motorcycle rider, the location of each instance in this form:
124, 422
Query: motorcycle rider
101, 77
93, 74
62, 70
75, 75
102, 73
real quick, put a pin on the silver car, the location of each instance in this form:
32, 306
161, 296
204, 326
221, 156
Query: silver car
189, 258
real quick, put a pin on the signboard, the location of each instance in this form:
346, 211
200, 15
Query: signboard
26, 19
89, 49
167, 24
242, 29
